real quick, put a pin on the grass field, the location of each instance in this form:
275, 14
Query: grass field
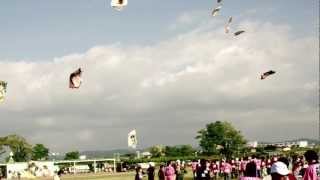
118, 176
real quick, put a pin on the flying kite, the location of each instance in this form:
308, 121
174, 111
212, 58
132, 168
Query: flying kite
132, 139
119, 4
227, 27
266, 74
219, 1
216, 11
238, 33
3, 90
75, 79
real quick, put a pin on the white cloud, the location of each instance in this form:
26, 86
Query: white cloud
176, 85
45, 122
85, 135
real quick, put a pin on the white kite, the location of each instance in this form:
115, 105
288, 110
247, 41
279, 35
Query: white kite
216, 10
3, 90
132, 139
119, 4
227, 27
75, 79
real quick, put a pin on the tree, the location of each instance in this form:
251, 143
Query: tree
187, 150
181, 150
40, 152
21, 149
172, 151
157, 151
220, 137
72, 155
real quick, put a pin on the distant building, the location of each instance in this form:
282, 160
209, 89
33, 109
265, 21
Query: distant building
252, 144
303, 144
138, 155
146, 154
83, 157
284, 144
286, 149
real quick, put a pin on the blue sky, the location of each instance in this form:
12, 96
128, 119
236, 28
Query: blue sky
40, 30
166, 64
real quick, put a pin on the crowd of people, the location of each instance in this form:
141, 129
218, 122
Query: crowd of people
249, 168
173, 170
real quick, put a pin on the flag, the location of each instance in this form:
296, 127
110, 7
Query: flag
3, 90
132, 139
75, 79
118, 4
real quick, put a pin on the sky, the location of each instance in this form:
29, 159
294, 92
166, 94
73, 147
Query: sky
165, 68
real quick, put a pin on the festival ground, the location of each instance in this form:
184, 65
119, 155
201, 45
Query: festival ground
104, 176
118, 176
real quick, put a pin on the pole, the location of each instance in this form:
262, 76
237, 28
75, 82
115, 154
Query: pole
74, 167
94, 166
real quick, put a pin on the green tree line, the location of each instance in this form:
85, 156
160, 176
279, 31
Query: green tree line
22, 150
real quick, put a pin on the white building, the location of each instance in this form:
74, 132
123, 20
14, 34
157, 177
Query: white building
252, 144
146, 154
303, 144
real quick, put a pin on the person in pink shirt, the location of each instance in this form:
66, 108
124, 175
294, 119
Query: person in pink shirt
170, 172
237, 167
274, 159
243, 165
233, 166
226, 169
258, 164
269, 164
313, 170
215, 169
263, 167
218, 163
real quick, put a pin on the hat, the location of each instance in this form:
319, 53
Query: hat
280, 168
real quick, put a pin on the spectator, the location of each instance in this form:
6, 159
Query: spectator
279, 171
150, 172
243, 164
58, 175
269, 164
194, 165
169, 172
180, 171
258, 165
296, 169
250, 172
139, 174
286, 162
313, 170
203, 173
161, 174
215, 169
226, 169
